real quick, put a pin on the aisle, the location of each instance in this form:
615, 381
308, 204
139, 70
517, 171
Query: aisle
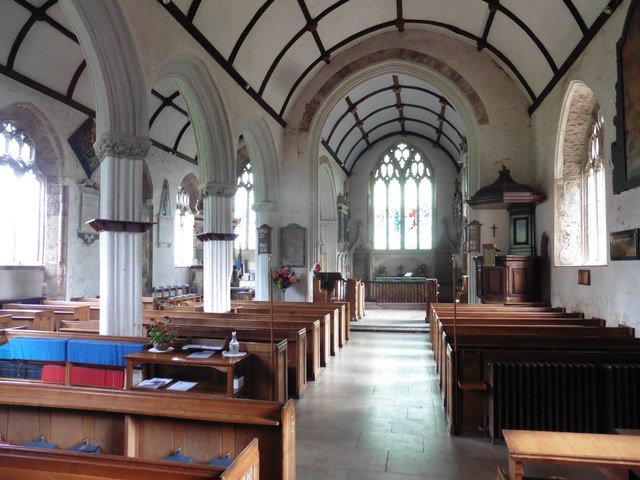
376, 413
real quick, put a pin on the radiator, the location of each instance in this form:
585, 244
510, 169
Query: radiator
29, 300
542, 396
623, 395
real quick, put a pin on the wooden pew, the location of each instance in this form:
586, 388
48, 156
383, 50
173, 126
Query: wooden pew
6, 320
296, 347
33, 318
75, 326
232, 321
468, 386
330, 320
151, 425
19, 463
269, 363
342, 306
487, 334
94, 307
61, 312
268, 368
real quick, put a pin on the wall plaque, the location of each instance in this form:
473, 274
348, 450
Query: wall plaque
292, 245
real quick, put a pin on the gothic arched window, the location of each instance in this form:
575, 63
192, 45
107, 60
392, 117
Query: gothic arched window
183, 230
594, 225
402, 200
22, 199
244, 216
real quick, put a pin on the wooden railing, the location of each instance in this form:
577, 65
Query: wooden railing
381, 291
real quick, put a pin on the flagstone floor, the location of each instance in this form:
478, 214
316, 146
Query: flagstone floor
376, 413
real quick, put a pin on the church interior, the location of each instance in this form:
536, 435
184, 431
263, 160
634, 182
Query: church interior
200, 165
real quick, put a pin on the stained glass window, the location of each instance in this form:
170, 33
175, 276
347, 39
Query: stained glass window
402, 200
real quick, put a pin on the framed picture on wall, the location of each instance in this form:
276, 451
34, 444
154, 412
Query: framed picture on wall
626, 149
624, 245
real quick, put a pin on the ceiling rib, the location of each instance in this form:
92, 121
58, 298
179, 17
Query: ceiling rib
247, 30
179, 137
576, 15
396, 90
335, 157
76, 78
399, 16
492, 5
188, 26
312, 26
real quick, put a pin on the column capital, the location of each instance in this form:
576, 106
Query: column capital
214, 189
122, 146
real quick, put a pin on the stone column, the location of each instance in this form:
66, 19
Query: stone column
217, 240
265, 214
120, 251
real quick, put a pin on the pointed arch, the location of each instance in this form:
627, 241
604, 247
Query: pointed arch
580, 229
208, 116
108, 47
264, 160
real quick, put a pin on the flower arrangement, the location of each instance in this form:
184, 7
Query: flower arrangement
161, 333
284, 278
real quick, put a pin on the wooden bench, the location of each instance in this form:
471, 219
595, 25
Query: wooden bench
612, 454
61, 312
296, 347
32, 318
343, 319
316, 347
19, 463
269, 363
94, 307
468, 387
151, 425
483, 335
331, 320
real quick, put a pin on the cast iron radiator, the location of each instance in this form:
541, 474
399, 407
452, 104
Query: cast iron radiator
623, 395
542, 396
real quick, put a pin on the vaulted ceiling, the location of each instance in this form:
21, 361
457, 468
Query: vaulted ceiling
273, 48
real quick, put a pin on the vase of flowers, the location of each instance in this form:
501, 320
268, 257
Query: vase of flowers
284, 278
161, 333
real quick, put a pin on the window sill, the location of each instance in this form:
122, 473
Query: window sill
21, 267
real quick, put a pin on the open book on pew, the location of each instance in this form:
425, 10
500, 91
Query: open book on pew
198, 346
154, 382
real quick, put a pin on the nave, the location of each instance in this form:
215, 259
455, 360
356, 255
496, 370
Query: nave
376, 414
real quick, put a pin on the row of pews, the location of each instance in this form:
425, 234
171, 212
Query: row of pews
504, 367
137, 429
290, 345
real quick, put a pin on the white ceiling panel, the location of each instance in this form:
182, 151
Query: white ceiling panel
222, 22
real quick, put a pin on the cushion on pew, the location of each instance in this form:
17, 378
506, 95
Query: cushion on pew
41, 349
85, 447
53, 374
96, 377
178, 457
221, 462
41, 442
5, 351
98, 352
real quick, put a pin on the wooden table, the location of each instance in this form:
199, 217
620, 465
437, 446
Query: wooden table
614, 454
190, 369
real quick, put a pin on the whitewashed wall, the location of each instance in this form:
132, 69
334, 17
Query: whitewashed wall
612, 294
